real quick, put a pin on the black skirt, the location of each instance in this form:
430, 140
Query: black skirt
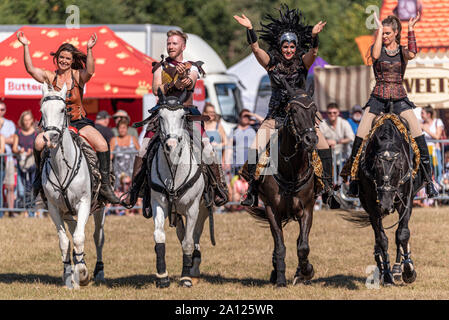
378, 105
81, 123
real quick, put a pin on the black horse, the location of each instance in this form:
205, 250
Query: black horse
290, 193
389, 179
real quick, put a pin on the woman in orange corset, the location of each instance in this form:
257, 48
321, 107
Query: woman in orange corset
74, 68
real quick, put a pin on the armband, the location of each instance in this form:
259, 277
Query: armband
251, 36
412, 42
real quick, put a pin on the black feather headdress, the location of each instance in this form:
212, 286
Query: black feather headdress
289, 21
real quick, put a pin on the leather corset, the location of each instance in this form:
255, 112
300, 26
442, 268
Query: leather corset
389, 74
73, 99
296, 79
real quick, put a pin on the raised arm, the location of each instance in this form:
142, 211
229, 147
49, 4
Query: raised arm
87, 72
262, 57
310, 56
38, 74
377, 47
410, 52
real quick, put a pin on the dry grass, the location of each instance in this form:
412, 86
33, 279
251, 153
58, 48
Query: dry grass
238, 267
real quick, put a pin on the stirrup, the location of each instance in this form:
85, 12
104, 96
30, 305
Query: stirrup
431, 191
123, 203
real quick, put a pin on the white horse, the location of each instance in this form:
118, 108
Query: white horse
66, 184
177, 184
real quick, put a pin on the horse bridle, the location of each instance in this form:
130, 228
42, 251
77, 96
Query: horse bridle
290, 125
53, 128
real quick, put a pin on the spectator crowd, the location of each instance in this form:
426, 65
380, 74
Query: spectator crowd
17, 167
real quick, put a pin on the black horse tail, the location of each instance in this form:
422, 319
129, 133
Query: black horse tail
360, 218
260, 214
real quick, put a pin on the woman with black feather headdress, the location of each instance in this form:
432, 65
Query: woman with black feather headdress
293, 47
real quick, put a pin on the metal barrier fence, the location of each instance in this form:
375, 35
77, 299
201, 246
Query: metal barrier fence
23, 194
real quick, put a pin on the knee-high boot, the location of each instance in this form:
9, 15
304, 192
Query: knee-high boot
328, 194
252, 195
426, 166
138, 177
37, 183
346, 171
105, 165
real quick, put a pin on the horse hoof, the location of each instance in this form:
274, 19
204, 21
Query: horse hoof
409, 274
397, 272
387, 279
163, 283
300, 280
84, 279
99, 278
281, 284
273, 277
186, 282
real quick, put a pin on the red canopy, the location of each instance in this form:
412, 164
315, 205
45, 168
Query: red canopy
121, 71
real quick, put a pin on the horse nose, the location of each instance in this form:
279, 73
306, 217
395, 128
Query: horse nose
310, 139
170, 144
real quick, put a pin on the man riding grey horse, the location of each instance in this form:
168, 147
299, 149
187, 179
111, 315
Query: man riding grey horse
172, 77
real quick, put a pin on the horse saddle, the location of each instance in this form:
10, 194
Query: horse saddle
92, 163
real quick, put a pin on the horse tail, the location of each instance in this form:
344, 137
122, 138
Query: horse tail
259, 213
360, 218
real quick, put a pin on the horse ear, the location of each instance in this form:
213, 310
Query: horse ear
183, 96
45, 89
63, 91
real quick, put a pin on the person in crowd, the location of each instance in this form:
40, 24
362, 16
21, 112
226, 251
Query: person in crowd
22, 147
237, 154
124, 148
215, 131
102, 125
74, 70
120, 115
7, 130
433, 128
337, 131
355, 117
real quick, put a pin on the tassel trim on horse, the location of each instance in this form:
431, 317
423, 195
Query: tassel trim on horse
402, 129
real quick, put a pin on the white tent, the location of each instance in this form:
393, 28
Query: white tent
249, 72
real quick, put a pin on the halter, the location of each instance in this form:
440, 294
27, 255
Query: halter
52, 128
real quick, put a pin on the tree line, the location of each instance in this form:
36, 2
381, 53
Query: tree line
212, 20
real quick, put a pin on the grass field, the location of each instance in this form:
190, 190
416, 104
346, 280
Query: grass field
238, 267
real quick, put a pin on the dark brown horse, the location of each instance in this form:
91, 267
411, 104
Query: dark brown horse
290, 193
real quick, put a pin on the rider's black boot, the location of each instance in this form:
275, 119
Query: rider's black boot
37, 183
328, 194
221, 193
346, 171
426, 166
252, 195
138, 177
106, 190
